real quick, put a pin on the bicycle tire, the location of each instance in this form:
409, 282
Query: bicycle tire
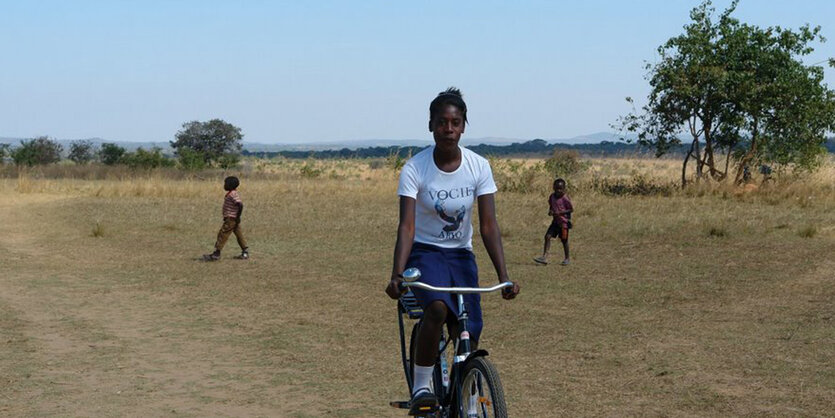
490, 401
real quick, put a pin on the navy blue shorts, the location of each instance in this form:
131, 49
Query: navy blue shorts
556, 230
448, 267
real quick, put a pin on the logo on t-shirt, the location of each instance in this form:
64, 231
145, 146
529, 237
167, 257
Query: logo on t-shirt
454, 222
454, 218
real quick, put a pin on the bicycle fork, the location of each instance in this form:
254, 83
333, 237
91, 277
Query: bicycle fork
462, 352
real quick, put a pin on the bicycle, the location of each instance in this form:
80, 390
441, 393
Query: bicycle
471, 375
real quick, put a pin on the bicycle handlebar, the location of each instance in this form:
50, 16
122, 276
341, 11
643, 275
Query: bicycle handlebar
460, 290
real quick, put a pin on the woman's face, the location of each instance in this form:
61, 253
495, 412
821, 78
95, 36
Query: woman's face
447, 125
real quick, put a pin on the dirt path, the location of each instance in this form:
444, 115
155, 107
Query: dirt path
73, 341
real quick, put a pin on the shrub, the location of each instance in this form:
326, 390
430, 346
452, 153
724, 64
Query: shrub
190, 159
376, 164
38, 151
564, 163
638, 185
146, 159
228, 160
515, 176
395, 161
111, 154
82, 152
309, 170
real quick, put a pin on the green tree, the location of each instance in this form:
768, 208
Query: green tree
111, 154
731, 86
784, 107
213, 140
81, 152
38, 151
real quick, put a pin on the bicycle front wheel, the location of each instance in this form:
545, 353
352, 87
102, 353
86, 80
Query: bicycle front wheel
481, 391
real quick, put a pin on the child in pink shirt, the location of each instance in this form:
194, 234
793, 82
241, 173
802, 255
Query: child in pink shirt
560, 209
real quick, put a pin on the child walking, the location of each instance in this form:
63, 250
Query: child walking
232, 209
560, 209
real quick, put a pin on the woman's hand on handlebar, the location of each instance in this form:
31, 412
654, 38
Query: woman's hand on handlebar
394, 289
510, 292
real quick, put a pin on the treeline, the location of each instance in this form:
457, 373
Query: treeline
532, 148
44, 151
40, 151
198, 145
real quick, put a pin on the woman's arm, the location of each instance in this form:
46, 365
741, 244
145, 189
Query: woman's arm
405, 237
492, 237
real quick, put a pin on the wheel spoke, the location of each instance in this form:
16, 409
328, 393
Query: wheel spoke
482, 393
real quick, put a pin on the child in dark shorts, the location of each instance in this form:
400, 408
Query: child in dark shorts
560, 208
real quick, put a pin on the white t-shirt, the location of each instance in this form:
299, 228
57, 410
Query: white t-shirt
444, 208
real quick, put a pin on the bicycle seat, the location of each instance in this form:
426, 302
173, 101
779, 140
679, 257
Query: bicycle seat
409, 305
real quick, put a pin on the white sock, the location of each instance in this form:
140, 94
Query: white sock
422, 378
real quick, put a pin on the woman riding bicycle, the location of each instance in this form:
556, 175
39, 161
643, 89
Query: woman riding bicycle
437, 189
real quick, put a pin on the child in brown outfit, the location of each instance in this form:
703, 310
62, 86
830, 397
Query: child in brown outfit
232, 209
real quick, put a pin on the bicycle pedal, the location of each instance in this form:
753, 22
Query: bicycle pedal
399, 404
427, 411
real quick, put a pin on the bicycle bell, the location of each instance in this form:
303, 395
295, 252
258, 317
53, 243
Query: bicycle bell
411, 274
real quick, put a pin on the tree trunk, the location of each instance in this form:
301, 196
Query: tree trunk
709, 160
710, 155
709, 148
699, 162
748, 155
684, 167
694, 147
727, 161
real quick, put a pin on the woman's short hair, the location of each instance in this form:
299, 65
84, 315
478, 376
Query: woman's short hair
450, 96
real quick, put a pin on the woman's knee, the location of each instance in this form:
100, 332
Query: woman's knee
436, 312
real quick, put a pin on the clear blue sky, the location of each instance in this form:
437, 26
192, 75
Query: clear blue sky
303, 71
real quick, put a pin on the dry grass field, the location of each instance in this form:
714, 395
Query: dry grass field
712, 301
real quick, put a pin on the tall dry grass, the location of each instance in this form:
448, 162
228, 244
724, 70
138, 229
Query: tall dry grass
614, 176
119, 181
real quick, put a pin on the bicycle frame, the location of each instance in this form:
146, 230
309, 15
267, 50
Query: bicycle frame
463, 348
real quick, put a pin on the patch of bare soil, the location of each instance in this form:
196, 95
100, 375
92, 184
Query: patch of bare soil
75, 342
